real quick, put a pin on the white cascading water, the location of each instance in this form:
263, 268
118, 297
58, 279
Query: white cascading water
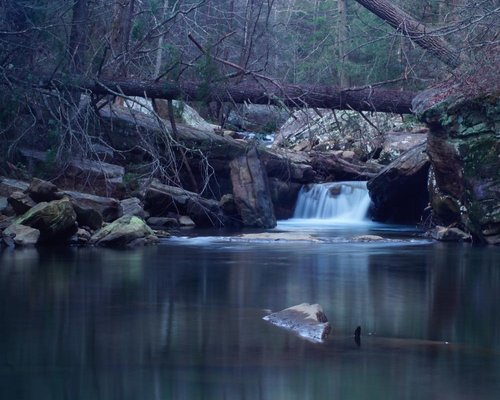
342, 202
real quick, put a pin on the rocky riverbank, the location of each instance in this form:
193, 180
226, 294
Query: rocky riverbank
451, 179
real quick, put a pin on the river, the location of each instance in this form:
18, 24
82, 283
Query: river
183, 319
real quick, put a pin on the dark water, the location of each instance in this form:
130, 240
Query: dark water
182, 320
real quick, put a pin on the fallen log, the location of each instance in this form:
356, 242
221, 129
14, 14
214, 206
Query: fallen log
265, 92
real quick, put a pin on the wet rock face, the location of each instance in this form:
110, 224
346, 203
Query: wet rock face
464, 149
399, 191
251, 191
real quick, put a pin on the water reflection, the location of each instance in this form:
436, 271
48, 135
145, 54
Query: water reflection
178, 321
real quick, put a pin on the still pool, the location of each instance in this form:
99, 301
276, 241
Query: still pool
183, 320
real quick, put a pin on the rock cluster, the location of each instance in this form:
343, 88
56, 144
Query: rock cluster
464, 150
43, 214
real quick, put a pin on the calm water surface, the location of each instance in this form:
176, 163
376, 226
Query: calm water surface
183, 320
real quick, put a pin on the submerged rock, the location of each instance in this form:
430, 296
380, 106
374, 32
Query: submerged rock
307, 320
280, 236
126, 231
368, 238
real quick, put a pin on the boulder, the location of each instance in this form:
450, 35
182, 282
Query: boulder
463, 148
87, 217
108, 208
8, 186
450, 234
55, 220
163, 222
40, 190
186, 222
22, 235
251, 191
161, 200
133, 206
126, 231
307, 320
20, 202
399, 191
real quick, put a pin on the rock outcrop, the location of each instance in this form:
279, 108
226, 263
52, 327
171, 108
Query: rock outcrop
399, 191
464, 148
92, 176
251, 191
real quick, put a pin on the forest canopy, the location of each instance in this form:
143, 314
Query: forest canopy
52, 52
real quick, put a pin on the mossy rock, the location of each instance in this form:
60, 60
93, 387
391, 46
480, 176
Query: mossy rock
127, 231
464, 149
56, 220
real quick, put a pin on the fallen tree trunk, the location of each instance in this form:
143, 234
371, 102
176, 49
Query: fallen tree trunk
414, 30
359, 99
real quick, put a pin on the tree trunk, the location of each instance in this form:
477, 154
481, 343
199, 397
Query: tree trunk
78, 36
342, 40
359, 99
414, 30
119, 36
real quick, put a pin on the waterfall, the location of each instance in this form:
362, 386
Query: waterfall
344, 202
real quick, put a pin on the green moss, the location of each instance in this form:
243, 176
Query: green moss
482, 160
